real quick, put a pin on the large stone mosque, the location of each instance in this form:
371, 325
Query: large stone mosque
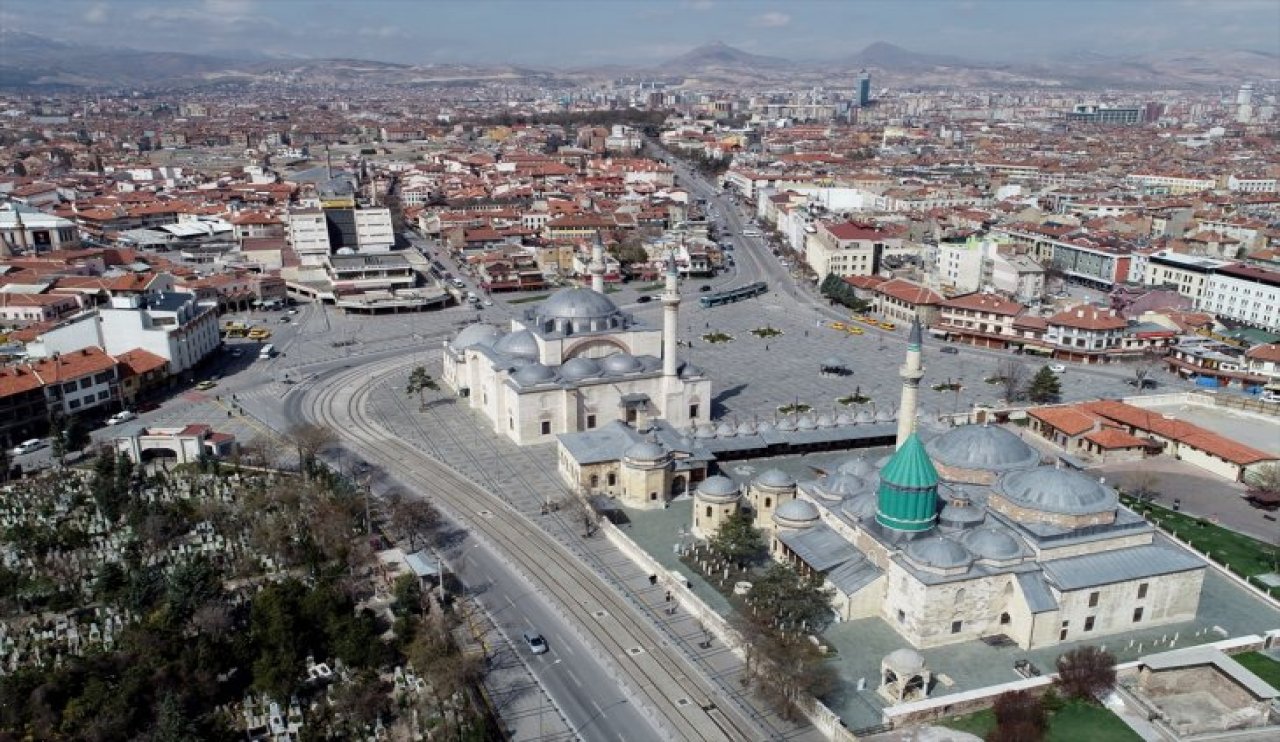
966, 536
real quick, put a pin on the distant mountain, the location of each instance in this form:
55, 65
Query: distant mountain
890, 56
718, 54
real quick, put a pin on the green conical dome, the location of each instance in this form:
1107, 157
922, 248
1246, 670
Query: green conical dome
908, 495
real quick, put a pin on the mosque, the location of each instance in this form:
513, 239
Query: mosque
967, 535
575, 363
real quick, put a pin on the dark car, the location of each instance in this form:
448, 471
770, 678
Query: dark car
147, 406
644, 299
948, 349
704, 288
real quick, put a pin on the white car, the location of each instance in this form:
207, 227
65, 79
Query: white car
1057, 368
123, 416
27, 446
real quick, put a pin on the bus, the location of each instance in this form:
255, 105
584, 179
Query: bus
729, 296
235, 330
267, 351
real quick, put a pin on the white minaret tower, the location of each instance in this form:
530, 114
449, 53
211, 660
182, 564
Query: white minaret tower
597, 267
911, 372
670, 318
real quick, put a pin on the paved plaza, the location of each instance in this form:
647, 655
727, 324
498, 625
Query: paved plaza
1251, 429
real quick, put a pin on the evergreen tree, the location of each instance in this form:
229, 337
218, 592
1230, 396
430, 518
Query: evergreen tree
1044, 386
737, 540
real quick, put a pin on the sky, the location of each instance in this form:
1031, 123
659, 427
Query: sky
571, 33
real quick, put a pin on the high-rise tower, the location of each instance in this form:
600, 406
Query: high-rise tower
670, 318
911, 372
864, 88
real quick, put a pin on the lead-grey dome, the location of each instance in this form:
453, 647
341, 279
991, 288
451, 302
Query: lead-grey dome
860, 507
991, 543
865, 416
775, 478
688, 370
987, 447
886, 415
796, 511
718, 487
705, 430
532, 374
621, 363
805, 422
725, 430
842, 485
576, 303
856, 466
645, 451
905, 662
477, 334
519, 343
746, 427
1052, 490
579, 368
940, 552
786, 425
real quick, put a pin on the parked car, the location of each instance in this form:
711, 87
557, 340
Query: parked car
704, 288
1057, 368
644, 299
536, 643
123, 416
27, 446
206, 385
948, 349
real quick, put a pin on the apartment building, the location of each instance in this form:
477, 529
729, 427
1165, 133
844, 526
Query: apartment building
1244, 293
848, 249
978, 319
1085, 333
78, 381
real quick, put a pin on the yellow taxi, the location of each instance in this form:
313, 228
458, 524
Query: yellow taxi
259, 333
837, 325
853, 330
867, 320
888, 326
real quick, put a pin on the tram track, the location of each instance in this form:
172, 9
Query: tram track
683, 704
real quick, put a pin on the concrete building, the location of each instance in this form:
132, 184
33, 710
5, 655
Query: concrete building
1244, 293
25, 229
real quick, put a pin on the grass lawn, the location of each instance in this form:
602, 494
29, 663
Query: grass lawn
1261, 665
1247, 557
1075, 722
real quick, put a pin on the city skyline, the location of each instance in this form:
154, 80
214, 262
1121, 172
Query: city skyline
649, 33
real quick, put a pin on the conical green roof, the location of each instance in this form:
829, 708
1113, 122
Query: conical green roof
910, 467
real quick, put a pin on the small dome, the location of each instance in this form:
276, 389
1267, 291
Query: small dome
579, 368
621, 363
825, 420
533, 374
886, 415
988, 447
520, 343
904, 662
576, 303
842, 485
796, 511
706, 430
746, 427
940, 552
990, 543
844, 418
688, 370
1055, 490
645, 451
856, 466
477, 334
865, 417
718, 488
725, 430
960, 516
764, 426
775, 478
519, 362
805, 422
860, 507
786, 424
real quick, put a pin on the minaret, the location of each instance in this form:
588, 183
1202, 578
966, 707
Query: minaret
670, 318
597, 267
911, 372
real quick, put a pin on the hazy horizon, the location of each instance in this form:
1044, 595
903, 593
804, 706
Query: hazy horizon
570, 33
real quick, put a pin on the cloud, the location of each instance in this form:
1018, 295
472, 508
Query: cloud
97, 13
771, 20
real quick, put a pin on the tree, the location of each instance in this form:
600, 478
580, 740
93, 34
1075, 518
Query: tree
414, 517
1020, 717
310, 440
737, 540
1044, 386
790, 668
1264, 484
1012, 375
1086, 672
1144, 367
6, 463
408, 596
785, 599
582, 510
419, 382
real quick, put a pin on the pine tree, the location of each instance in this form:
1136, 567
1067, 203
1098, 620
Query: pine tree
1044, 386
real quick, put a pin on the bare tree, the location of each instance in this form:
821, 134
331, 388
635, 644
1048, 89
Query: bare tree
414, 517
1264, 485
1142, 484
263, 450
1144, 367
580, 509
1086, 672
1013, 377
310, 440
1020, 717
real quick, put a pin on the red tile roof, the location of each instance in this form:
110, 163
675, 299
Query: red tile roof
1114, 438
1177, 430
908, 292
979, 302
1070, 420
1088, 317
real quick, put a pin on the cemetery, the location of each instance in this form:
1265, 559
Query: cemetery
214, 601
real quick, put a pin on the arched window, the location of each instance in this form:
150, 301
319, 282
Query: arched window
708, 511
960, 595
768, 501
612, 479
595, 480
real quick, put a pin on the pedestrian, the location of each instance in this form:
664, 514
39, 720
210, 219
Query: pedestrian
653, 579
